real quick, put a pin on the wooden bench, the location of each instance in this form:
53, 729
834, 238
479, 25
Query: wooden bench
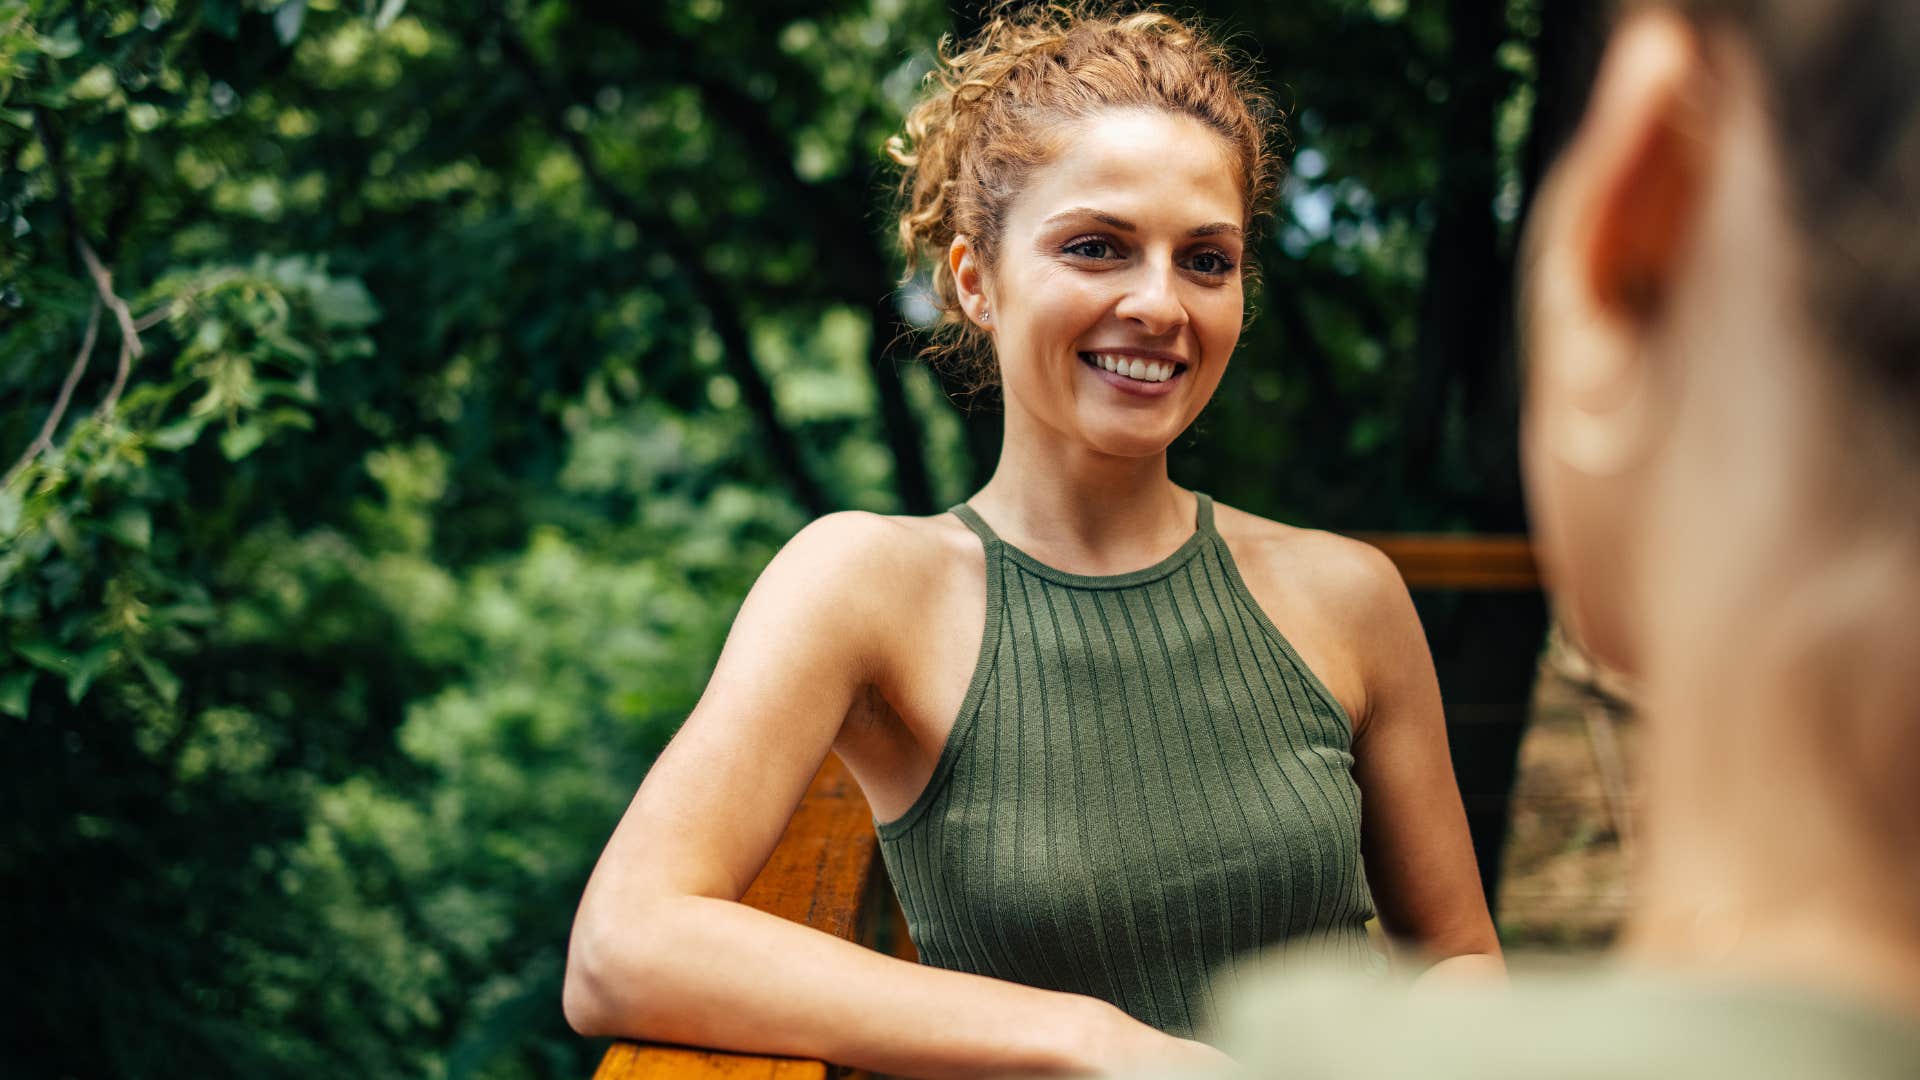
826, 871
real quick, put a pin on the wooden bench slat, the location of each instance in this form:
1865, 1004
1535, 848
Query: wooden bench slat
656, 1061
820, 874
825, 862
1447, 561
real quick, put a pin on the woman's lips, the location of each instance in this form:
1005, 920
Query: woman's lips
1130, 385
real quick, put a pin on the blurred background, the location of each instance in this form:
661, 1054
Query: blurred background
397, 398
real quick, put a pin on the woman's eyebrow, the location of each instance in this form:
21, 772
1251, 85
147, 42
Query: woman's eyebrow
1215, 229
1086, 211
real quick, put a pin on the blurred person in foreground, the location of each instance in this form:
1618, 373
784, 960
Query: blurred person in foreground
1722, 442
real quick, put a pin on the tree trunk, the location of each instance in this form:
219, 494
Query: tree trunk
897, 420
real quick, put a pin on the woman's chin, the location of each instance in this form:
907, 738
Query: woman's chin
1137, 438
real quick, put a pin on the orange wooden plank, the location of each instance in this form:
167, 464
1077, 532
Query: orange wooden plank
657, 1061
1460, 561
820, 874
821, 870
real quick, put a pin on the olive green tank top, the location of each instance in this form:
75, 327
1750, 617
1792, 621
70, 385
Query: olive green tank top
1143, 783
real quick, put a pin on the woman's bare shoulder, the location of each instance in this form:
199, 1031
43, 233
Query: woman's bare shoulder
875, 563
862, 542
870, 590
1345, 578
1358, 623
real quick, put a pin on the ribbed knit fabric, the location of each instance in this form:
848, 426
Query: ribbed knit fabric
1144, 781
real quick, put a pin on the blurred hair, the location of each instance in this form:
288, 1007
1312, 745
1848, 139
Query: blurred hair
1844, 81
994, 106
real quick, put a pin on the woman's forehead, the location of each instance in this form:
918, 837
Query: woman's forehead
1152, 168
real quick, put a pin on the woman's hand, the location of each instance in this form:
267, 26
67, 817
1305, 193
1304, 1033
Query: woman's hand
1116, 1044
1191, 1055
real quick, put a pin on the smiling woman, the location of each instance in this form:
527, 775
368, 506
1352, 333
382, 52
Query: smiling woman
1126, 262
1116, 737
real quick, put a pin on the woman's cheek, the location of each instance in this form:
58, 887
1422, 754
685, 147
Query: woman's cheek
1223, 331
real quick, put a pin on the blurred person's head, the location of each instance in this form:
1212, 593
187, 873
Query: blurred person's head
1080, 190
1722, 434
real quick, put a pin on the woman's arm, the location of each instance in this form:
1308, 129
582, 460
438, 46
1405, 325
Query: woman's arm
1413, 828
661, 948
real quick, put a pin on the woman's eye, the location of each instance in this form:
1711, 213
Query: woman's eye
1211, 262
1092, 249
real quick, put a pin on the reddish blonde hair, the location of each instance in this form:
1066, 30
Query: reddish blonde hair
992, 112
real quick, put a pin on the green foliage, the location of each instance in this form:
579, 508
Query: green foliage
482, 354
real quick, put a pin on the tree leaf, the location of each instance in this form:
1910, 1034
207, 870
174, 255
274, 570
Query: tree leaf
64, 42
87, 666
162, 678
345, 304
287, 19
132, 526
239, 440
45, 657
16, 689
222, 17
178, 436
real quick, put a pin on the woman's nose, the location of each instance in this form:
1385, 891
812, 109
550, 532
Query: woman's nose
1153, 299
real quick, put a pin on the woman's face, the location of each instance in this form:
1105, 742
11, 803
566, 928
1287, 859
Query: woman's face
1115, 297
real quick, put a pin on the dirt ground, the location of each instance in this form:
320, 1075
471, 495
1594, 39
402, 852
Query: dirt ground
1571, 839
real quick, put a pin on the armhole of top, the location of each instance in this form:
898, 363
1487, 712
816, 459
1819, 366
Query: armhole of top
970, 704
1238, 584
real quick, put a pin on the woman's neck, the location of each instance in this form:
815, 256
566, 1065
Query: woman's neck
1065, 502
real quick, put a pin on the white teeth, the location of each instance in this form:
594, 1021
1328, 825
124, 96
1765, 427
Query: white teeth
1133, 368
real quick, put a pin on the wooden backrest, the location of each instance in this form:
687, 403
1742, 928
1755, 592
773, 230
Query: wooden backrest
826, 871
1437, 561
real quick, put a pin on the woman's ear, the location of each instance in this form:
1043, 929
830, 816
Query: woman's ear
969, 283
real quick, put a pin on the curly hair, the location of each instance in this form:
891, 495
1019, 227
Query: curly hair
994, 108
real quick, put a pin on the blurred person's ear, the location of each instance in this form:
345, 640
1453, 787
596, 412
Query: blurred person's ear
1644, 158
1605, 250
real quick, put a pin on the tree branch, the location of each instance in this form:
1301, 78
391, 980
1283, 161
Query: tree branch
1461, 297
130, 347
728, 321
44, 440
897, 420
840, 226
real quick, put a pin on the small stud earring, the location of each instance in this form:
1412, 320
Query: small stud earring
985, 314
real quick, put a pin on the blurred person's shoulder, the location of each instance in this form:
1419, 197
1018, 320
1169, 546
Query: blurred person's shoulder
1602, 1023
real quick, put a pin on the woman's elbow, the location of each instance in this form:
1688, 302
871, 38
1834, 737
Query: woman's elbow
601, 972
582, 994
